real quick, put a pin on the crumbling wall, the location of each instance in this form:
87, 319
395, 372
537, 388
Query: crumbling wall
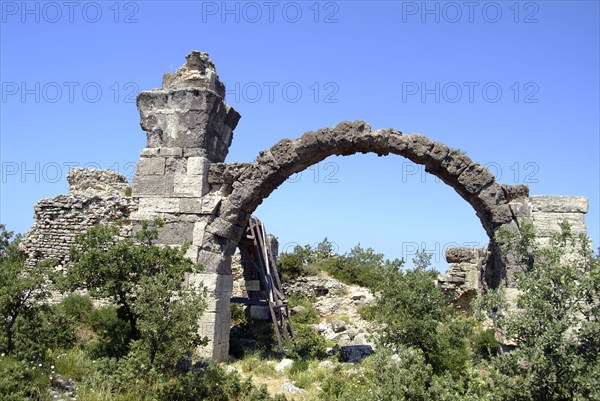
548, 211
95, 197
189, 126
462, 281
182, 178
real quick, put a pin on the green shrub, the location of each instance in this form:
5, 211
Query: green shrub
485, 344
22, 380
214, 384
42, 329
114, 334
292, 264
308, 344
412, 311
309, 315
77, 307
74, 364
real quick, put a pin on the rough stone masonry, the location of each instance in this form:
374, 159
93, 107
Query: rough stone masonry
182, 178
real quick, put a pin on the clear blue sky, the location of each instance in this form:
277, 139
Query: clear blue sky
513, 84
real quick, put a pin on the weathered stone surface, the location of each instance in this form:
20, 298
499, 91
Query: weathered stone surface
96, 197
285, 364
284, 153
194, 186
418, 147
159, 205
215, 263
453, 165
338, 326
462, 283
198, 72
460, 255
223, 228
515, 192
559, 204
547, 224
93, 182
436, 156
176, 233
151, 166
372, 141
153, 185
198, 166
175, 165
475, 177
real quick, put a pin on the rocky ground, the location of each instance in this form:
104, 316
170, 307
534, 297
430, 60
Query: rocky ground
338, 305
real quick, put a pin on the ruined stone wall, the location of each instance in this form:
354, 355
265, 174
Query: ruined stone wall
182, 178
189, 126
462, 281
548, 211
95, 197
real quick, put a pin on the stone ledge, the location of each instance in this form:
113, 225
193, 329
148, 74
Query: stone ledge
559, 204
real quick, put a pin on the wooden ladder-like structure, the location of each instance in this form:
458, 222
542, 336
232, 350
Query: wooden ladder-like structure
265, 265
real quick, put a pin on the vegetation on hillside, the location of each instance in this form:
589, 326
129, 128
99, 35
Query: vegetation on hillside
136, 346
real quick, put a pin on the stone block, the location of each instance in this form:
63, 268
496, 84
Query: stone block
198, 235
193, 152
198, 166
547, 224
176, 233
217, 304
259, 312
149, 152
175, 165
559, 204
190, 205
207, 323
461, 255
173, 152
475, 177
152, 185
225, 282
145, 215
151, 166
190, 185
252, 285
225, 229
215, 262
205, 280
418, 148
192, 253
165, 205
210, 204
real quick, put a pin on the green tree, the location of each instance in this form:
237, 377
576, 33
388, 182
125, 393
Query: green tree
20, 289
412, 312
556, 321
146, 282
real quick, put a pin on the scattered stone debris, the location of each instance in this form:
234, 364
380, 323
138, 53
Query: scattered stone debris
285, 364
290, 388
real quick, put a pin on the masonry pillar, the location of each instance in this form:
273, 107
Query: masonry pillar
189, 127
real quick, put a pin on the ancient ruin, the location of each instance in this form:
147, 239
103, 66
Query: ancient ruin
182, 178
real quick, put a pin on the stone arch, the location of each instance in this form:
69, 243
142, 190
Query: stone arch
254, 182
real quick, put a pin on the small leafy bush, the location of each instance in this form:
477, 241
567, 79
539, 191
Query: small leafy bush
114, 333
77, 307
308, 344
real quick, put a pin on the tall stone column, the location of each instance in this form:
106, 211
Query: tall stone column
188, 126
